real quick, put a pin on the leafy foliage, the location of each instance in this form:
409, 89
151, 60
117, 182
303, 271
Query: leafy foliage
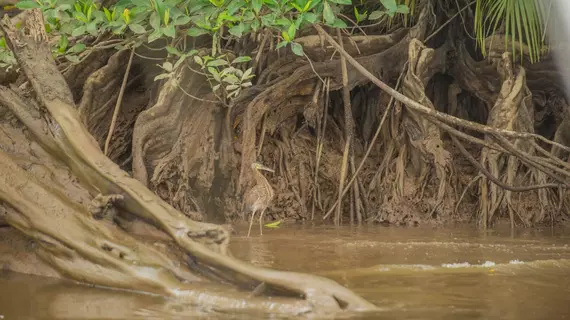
522, 20
136, 22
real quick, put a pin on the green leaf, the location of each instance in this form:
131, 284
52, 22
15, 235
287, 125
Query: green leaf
27, 4
291, 31
156, 34
107, 14
338, 23
375, 15
78, 31
241, 59
170, 31
281, 44
99, 16
162, 76
315, 4
198, 60
297, 48
77, 48
196, 6
179, 61
296, 6
167, 66
237, 72
285, 36
310, 17
173, 51
347, 2
217, 63
72, 59
234, 6
282, 22
141, 3
89, 12
328, 13
247, 74
268, 19
232, 87
257, 5
64, 7
122, 4
63, 42
231, 79
217, 3
137, 28
237, 30
182, 20
403, 9
273, 224
160, 8
214, 73
92, 28
255, 25
120, 29
390, 5
195, 32
80, 16
234, 93
155, 21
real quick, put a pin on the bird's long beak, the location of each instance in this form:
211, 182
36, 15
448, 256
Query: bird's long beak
262, 167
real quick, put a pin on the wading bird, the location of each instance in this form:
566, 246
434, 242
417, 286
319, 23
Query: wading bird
258, 198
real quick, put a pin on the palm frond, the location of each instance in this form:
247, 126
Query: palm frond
523, 22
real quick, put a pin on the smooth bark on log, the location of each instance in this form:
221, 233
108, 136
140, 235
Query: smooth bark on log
68, 140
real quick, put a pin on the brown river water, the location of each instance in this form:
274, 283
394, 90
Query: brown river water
411, 273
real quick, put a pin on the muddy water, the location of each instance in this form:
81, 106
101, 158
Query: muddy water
416, 273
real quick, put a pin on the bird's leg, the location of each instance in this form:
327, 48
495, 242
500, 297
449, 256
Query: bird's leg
251, 222
261, 222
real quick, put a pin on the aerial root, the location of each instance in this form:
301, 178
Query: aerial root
72, 144
498, 135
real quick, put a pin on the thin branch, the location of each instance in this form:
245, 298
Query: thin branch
449, 21
313, 68
260, 52
378, 130
414, 105
118, 105
538, 164
196, 98
494, 179
348, 132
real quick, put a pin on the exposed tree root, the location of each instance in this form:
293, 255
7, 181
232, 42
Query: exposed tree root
424, 136
287, 91
512, 111
293, 119
69, 141
386, 63
500, 135
173, 140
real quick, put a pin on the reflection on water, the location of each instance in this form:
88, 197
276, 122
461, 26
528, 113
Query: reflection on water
415, 273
